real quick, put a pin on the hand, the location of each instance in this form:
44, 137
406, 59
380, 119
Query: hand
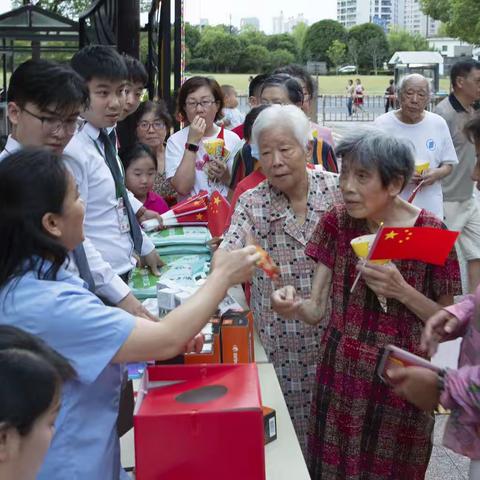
195, 345
217, 170
437, 328
214, 243
149, 214
416, 178
196, 130
131, 305
384, 280
418, 385
286, 302
430, 176
236, 266
153, 262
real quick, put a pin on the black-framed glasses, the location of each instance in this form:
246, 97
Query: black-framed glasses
156, 125
52, 125
193, 105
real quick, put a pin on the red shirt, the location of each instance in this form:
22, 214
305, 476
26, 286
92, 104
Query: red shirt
238, 130
249, 182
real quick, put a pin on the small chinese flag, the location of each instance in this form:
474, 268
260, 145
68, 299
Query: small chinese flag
426, 244
218, 209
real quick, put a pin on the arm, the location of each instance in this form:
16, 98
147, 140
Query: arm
167, 338
184, 177
288, 304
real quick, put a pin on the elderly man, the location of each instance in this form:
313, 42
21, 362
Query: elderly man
462, 212
429, 134
280, 215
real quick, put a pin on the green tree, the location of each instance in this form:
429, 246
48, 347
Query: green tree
220, 49
279, 58
282, 41
336, 53
402, 41
353, 48
365, 34
192, 36
319, 37
254, 59
251, 36
67, 8
461, 17
298, 33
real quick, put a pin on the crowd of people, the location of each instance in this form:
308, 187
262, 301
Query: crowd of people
87, 161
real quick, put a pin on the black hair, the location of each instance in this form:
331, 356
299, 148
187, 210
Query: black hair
135, 151
291, 85
33, 182
297, 71
31, 374
255, 86
462, 68
100, 61
250, 120
159, 108
137, 73
374, 149
47, 84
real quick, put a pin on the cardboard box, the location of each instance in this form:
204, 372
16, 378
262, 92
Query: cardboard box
199, 422
237, 337
269, 424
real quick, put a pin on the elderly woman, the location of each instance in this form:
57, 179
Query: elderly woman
431, 138
152, 122
359, 427
188, 166
280, 214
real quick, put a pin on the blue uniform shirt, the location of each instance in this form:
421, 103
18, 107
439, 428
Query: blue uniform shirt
78, 325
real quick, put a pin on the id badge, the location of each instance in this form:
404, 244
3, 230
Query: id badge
122, 216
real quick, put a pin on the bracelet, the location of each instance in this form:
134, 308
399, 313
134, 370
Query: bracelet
191, 147
441, 380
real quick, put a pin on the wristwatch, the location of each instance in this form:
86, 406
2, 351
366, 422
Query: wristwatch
191, 147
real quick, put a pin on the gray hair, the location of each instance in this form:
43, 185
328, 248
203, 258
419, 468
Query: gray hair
284, 116
403, 84
375, 149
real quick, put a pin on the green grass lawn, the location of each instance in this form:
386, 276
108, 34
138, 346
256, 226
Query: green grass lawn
329, 84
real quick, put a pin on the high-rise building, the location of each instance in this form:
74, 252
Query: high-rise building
405, 14
417, 22
278, 24
250, 21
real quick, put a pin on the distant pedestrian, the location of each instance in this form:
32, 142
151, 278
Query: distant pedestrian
350, 89
390, 96
358, 96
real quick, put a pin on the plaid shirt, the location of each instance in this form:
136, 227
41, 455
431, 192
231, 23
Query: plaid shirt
291, 345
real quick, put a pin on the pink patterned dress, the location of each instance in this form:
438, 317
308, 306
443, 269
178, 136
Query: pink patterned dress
360, 430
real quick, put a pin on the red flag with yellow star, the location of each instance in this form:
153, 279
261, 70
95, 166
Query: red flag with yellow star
426, 244
218, 209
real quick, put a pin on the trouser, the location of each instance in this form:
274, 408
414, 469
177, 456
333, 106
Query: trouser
349, 106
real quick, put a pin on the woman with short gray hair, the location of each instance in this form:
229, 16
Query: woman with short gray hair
280, 214
359, 427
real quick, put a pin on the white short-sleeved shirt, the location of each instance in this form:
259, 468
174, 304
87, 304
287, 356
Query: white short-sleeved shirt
79, 326
432, 143
234, 116
176, 149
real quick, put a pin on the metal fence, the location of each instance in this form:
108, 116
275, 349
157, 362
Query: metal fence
334, 108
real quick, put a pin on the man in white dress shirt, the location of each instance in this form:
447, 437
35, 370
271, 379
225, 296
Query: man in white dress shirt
110, 222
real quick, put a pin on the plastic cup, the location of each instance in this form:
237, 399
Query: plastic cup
421, 167
361, 245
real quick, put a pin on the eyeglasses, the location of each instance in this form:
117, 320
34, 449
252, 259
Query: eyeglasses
156, 125
192, 105
52, 125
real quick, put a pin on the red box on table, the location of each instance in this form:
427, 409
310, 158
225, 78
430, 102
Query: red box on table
199, 422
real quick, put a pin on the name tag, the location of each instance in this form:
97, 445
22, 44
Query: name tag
122, 216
